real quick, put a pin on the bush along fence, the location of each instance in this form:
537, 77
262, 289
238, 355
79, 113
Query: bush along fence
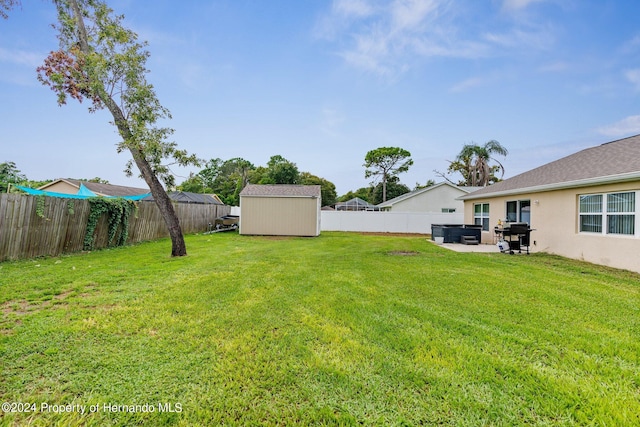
32, 226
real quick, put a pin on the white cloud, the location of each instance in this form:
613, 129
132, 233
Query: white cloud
627, 126
515, 5
530, 38
411, 14
470, 49
344, 13
554, 67
630, 46
634, 77
387, 37
331, 121
527, 30
356, 8
369, 54
20, 66
21, 57
467, 84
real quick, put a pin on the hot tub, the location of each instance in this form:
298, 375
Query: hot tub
452, 232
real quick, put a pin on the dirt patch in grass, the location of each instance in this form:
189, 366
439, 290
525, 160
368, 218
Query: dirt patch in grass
63, 295
403, 253
22, 307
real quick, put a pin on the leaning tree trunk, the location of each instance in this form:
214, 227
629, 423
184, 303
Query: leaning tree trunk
178, 247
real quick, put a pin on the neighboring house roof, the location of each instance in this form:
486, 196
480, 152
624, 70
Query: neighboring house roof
100, 189
615, 161
187, 197
281, 190
390, 203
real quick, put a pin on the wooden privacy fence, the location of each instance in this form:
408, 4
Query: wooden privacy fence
30, 228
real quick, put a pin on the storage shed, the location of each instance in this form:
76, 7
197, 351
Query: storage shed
280, 210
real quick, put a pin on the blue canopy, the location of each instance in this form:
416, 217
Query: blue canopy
83, 193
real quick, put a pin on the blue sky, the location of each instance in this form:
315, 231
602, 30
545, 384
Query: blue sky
323, 82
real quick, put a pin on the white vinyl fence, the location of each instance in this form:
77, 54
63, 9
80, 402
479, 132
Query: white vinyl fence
386, 222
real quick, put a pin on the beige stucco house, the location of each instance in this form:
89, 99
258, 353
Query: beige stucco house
583, 206
280, 210
443, 197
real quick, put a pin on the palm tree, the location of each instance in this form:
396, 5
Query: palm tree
473, 163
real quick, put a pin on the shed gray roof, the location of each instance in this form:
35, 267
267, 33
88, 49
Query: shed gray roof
281, 190
187, 197
615, 161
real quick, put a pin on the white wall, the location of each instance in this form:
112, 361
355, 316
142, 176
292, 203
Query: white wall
387, 222
432, 200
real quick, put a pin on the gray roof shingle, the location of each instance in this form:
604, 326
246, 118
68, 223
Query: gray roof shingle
281, 190
187, 197
107, 189
615, 160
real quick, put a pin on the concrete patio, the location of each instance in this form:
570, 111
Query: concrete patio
481, 248
458, 247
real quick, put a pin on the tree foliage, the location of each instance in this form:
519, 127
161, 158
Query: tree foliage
364, 193
101, 61
37, 183
327, 188
233, 177
394, 189
281, 171
9, 174
474, 164
386, 162
6, 6
97, 180
429, 183
227, 178
193, 184
223, 178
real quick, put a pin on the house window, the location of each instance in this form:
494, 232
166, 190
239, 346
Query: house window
591, 213
617, 209
519, 211
481, 215
448, 210
621, 208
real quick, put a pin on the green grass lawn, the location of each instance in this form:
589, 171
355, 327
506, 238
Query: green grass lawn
343, 329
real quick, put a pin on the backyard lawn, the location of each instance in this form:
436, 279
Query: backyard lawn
343, 329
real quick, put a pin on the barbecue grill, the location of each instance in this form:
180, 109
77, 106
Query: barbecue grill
518, 235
